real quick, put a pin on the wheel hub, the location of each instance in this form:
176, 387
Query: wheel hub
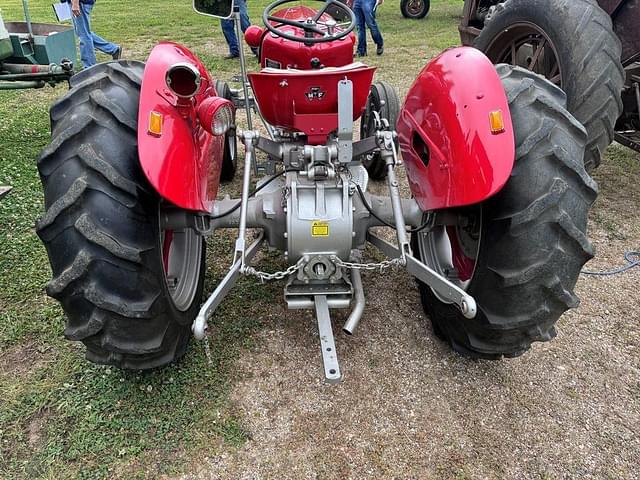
414, 7
452, 250
181, 256
527, 45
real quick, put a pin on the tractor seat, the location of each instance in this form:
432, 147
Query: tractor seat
307, 100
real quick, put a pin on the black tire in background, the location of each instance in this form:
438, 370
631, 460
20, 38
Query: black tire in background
230, 157
101, 229
528, 243
415, 8
579, 34
383, 99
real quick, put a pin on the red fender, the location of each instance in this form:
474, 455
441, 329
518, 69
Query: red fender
452, 157
182, 163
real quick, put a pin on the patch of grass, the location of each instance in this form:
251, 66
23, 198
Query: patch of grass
618, 192
611, 226
99, 417
67, 418
23, 131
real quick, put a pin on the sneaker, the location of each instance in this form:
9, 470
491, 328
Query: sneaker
117, 54
380, 50
361, 54
231, 55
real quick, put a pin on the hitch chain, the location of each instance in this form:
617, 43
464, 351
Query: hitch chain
380, 266
266, 277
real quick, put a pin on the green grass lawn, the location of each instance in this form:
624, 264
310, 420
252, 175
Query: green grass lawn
62, 417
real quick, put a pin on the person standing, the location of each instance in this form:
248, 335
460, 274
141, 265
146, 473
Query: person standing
365, 11
89, 41
229, 32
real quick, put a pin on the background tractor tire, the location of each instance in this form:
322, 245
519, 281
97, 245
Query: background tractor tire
531, 242
383, 99
415, 8
578, 35
101, 229
230, 158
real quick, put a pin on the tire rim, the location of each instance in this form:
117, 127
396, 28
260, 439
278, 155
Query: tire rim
181, 257
452, 250
527, 45
415, 7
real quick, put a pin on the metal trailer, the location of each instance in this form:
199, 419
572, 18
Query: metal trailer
33, 55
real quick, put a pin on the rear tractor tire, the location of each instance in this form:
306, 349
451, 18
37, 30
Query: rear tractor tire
572, 43
520, 252
383, 100
129, 289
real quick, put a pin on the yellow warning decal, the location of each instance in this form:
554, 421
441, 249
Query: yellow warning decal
319, 229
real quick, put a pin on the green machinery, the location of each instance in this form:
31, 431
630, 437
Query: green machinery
35, 54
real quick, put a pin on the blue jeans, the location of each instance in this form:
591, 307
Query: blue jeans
89, 41
366, 17
228, 27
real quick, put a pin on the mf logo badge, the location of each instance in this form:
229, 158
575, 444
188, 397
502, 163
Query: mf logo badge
315, 93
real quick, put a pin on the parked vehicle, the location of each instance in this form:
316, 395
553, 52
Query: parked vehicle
578, 45
415, 8
494, 232
33, 55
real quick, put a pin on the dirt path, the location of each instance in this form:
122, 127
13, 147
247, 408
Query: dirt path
410, 408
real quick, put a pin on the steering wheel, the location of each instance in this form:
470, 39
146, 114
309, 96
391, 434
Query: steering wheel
311, 25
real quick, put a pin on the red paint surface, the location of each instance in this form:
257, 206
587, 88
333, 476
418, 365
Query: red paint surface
281, 53
447, 109
183, 164
464, 265
253, 35
284, 101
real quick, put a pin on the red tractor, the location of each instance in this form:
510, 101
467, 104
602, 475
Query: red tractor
495, 230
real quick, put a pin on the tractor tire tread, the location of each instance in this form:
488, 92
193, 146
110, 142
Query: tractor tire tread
520, 291
100, 227
125, 73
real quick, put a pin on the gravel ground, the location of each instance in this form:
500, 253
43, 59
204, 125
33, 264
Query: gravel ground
410, 408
